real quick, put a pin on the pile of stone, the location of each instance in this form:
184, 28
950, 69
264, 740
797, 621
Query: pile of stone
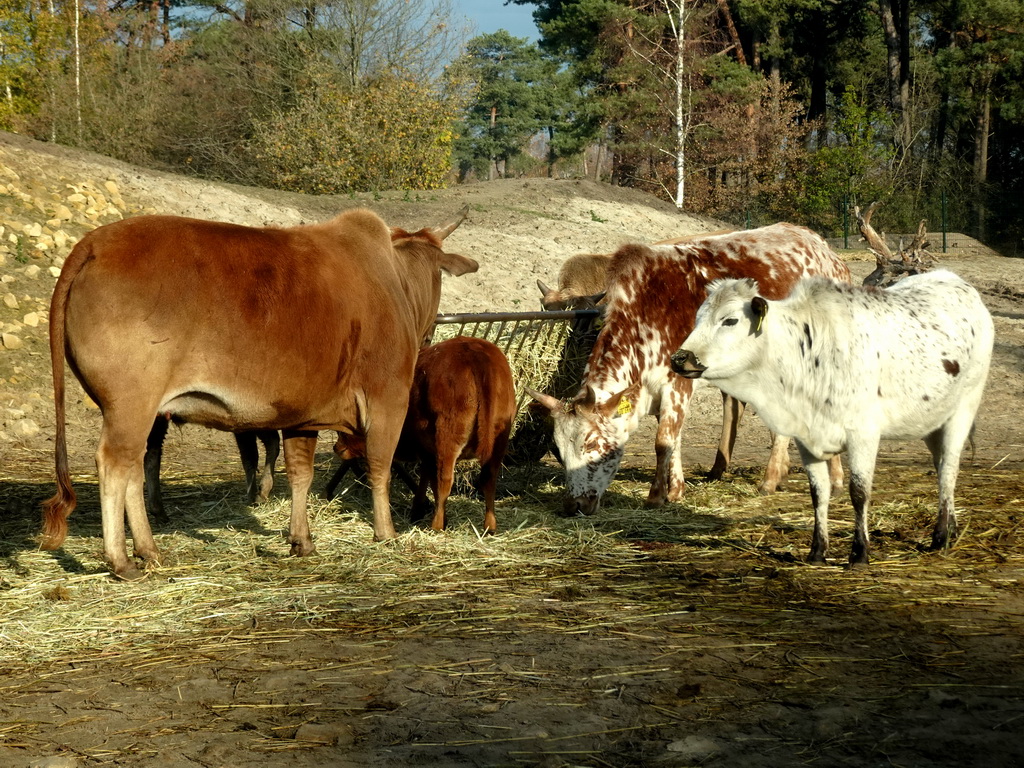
38, 228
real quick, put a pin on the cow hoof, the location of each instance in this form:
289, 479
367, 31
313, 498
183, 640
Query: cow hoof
302, 549
147, 557
767, 489
813, 559
129, 573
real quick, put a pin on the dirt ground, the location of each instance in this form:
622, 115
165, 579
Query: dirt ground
697, 648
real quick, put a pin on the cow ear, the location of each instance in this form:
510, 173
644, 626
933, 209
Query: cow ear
621, 403
456, 265
587, 397
760, 309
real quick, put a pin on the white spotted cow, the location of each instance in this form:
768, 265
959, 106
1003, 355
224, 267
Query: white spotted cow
653, 293
840, 368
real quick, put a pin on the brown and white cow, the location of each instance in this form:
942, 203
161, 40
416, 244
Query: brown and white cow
240, 328
582, 282
650, 307
461, 406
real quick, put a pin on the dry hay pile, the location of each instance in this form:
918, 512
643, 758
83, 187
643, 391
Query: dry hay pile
226, 567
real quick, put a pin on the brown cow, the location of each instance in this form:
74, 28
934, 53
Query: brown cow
651, 306
583, 278
461, 406
240, 328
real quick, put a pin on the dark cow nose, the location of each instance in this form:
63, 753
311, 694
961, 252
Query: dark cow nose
685, 363
571, 507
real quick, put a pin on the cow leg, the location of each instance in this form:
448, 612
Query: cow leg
946, 445
421, 506
488, 485
817, 477
669, 482
299, 451
338, 476
443, 479
143, 543
488, 481
777, 468
835, 473
120, 460
732, 410
154, 454
405, 476
271, 440
250, 456
863, 451
380, 451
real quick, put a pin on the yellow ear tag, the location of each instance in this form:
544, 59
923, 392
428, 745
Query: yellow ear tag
624, 407
760, 319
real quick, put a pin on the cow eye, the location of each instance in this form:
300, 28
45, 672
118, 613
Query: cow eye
730, 321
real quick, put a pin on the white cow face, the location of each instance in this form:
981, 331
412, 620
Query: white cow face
728, 324
591, 437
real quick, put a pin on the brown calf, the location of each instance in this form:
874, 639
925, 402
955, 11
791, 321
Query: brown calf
461, 406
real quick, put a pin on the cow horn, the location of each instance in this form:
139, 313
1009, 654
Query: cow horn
447, 229
553, 404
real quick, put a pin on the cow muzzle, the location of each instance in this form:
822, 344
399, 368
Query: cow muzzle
685, 363
580, 506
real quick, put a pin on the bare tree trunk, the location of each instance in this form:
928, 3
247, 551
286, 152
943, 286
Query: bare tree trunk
492, 169
981, 134
683, 97
165, 21
904, 31
8, 95
892, 49
78, 73
895, 16
723, 7
775, 71
551, 152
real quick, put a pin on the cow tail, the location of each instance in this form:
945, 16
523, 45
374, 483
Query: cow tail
57, 508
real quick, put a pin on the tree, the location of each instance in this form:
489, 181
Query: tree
392, 132
512, 100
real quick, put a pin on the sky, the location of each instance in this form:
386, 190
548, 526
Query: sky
491, 15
